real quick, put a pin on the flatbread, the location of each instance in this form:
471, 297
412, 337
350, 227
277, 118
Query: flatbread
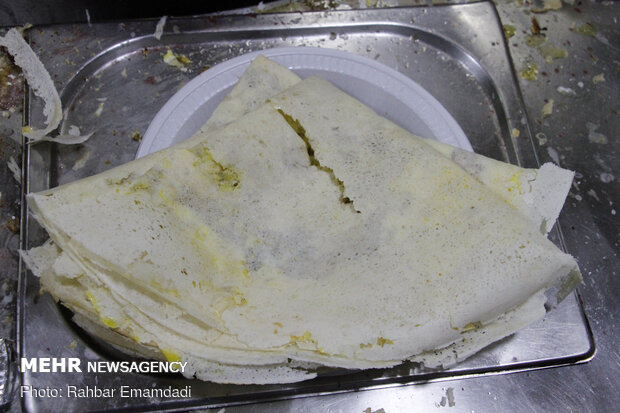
308, 229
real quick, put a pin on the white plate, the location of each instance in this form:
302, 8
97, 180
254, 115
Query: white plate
387, 91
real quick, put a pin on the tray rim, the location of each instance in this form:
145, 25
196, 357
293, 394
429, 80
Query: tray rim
23, 272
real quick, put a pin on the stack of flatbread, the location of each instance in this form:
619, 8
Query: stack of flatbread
299, 229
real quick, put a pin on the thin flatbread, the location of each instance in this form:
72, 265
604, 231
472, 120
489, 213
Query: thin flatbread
311, 229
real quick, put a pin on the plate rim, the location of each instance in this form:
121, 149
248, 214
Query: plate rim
168, 109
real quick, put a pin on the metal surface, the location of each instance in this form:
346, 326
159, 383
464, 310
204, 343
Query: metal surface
7, 373
590, 226
107, 94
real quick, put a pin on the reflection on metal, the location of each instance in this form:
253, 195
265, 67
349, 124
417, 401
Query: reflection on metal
7, 373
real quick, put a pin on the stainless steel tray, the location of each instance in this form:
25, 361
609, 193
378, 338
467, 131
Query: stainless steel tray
456, 52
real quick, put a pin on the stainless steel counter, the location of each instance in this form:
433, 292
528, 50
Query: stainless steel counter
579, 134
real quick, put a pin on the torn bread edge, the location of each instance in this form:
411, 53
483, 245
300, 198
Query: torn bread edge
41, 84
